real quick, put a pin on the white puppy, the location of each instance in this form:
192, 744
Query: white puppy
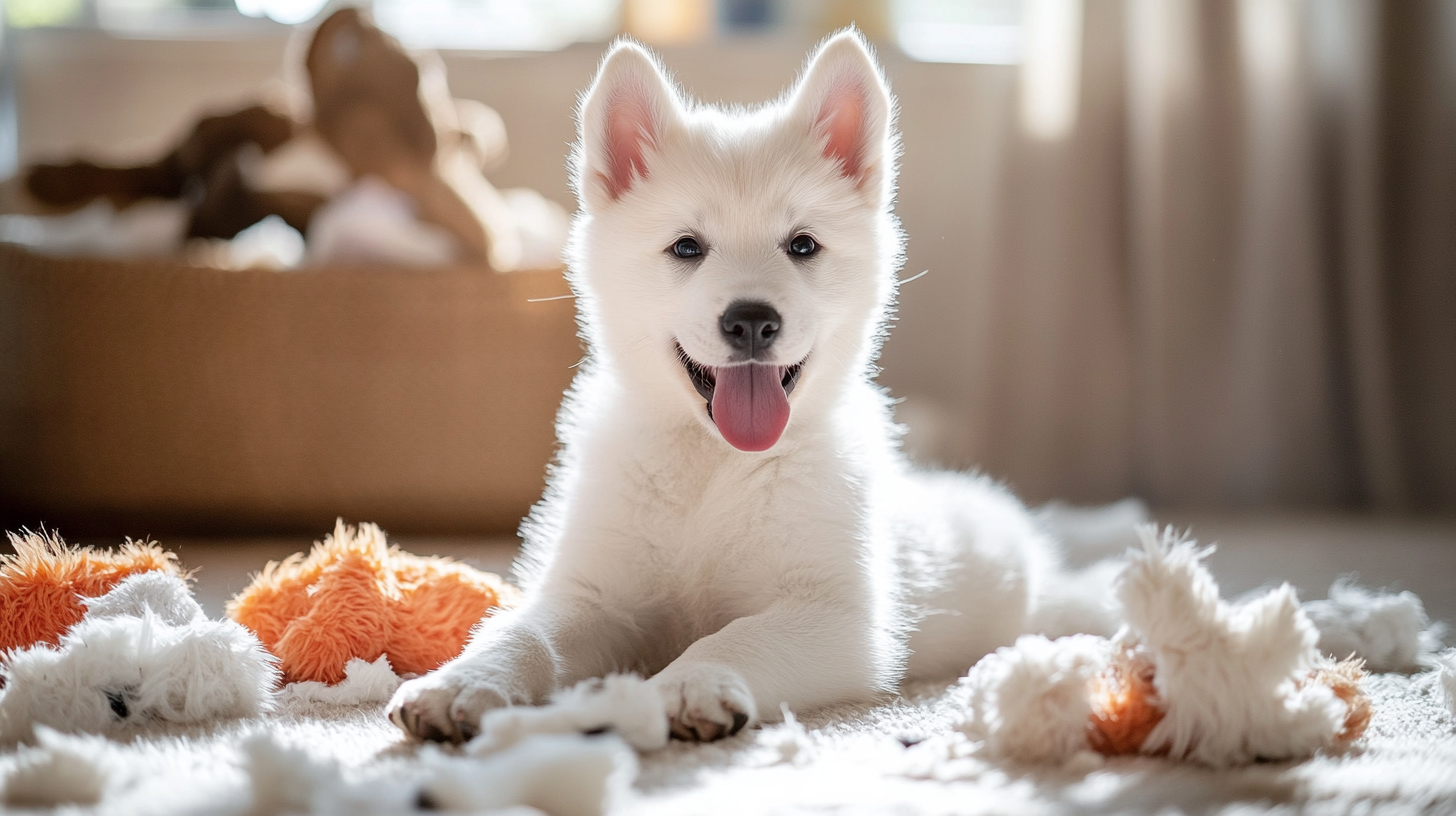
731, 515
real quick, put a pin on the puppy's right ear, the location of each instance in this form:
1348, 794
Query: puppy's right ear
622, 122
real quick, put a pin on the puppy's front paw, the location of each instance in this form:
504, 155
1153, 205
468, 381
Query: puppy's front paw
444, 706
705, 702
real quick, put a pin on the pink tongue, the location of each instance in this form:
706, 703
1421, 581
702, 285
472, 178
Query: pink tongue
750, 406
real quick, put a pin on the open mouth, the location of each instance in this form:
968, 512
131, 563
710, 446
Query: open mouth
749, 402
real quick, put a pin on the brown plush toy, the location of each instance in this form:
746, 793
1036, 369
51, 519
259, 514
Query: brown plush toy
205, 164
42, 584
388, 115
382, 113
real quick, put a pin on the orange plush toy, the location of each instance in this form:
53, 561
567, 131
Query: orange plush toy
42, 584
354, 596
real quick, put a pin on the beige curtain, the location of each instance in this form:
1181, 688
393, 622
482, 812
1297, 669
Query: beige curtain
1232, 283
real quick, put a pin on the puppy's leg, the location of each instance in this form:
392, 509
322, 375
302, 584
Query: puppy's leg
516, 658
803, 654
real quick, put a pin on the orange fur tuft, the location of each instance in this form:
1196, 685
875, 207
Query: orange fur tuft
1125, 705
355, 596
1345, 679
42, 584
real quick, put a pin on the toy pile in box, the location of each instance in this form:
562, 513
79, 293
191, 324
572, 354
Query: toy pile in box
389, 170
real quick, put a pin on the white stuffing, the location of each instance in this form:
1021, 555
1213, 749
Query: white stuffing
622, 703
561, 774
1390, 631
303, 164
1226, 674
363, 682
111, 674
558, 774
1029, 701
149, 228
282, 779
788, 740
373, 223
269, 244
62, 770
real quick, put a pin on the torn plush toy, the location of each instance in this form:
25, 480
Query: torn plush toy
43, 584
355, 596
143, 653
1190, 676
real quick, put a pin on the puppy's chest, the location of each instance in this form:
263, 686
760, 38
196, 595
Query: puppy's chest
713, 508
733, 527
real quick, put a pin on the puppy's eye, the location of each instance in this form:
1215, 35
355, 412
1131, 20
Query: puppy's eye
687, 248
803, 246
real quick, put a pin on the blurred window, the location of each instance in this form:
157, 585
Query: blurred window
39, 13
995, 32
511, 25
508, 25
979, 31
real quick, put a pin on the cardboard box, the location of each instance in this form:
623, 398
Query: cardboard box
155, 397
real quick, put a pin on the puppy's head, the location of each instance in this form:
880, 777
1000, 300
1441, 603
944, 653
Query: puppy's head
738, 264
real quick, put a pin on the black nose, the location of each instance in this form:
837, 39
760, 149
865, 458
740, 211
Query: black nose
750, 326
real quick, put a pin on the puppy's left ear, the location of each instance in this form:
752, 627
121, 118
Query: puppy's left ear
842, 103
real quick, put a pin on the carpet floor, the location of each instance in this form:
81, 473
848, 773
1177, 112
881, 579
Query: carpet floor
900, 757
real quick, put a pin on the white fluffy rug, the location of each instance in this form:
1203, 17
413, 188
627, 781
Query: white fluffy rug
319, 757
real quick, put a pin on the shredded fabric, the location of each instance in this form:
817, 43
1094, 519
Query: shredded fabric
561, 774
788, 740
623, 703
364, 682
51, 578
118, 672
154, 592
1446, 674
1389, 631
558, 774
60, 770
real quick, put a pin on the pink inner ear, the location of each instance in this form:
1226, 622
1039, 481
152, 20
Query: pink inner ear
841, 120
630, 129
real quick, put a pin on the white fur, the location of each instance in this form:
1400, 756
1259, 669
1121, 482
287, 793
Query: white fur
141, 664
819, 571
1390, 631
